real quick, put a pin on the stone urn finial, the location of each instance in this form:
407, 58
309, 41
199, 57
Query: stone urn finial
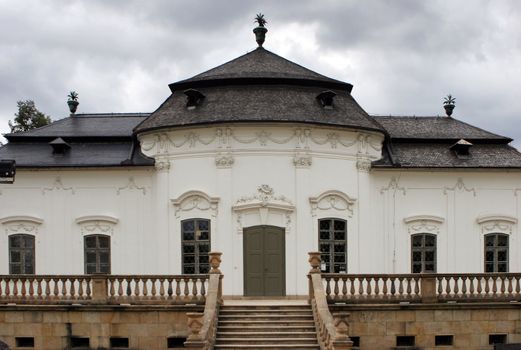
314, 261
72, 101
449, 103
215, 261
260, 31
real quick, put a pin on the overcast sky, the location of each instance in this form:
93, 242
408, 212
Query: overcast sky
402, 56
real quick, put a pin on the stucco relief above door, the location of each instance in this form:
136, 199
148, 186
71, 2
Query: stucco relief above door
263, 208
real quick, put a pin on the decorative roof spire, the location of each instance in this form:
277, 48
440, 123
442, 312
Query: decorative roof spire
260, 31
449, 103
72, 101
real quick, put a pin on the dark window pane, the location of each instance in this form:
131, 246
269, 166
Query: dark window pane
104, 268
416, 241
28, 242
502, 240
429, 268
15, 241
324, 224
340, 225
339, 248
489, 240
29, 269
502, 267
188, 248
204, 268
340, 258
502, 256
429, 256
423, 253
188, 269
104, 258
489, 256
204, 225
416, 256
324, 248
104, 242
189, 259
489, 267
188, 236
203, 259
91, 257
340, 236
430, 241
90, 242
204, 248
91, 268
324, 235
188, 225
16, 257
203, 236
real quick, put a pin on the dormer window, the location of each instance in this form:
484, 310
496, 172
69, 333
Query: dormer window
325, 98
461, 148
194, 98
59, 146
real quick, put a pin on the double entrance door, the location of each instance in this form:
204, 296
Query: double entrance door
264, 261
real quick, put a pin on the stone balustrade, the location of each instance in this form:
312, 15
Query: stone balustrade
103, 289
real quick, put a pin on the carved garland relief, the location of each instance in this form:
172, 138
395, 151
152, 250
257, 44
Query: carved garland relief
192, 200
336, 200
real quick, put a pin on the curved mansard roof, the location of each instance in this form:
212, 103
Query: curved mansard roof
260, 86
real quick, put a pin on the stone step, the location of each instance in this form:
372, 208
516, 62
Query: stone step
313, 346
267, 328
264, 341
266, 311
263, 323
266, 307
254, 317
272, 334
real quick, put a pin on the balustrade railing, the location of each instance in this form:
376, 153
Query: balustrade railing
479, 286
103, 289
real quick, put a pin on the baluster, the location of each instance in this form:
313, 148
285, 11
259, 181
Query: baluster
194, 288
328, 288
55, 287
360, 287
494, 286
145, 289
480, 285
352, 289
400, 290
464, 287
377, 287
112, 290
203, 287
510, 288
471, 286
88, 290
417, 286
73, 289
15, 287
178, 288
7, 287
385, 291
408, 281
170, 290
153, 291
162, 288
456, 286
2, 281
336, 288
369, 287
518, 287
393, 286
186, 290
129, 287
120, 287
81, 282
344, 287
503, 288
24, 289
448, 286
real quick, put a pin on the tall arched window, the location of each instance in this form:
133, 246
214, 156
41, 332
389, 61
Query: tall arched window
21, 254
423, 253
195, 242
496, 252
97, 254
332, 242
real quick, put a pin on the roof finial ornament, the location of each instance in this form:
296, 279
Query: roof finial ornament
72, 101
260, 31
449, 103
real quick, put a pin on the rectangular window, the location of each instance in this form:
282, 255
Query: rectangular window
332, 243
497, 339
423, 253
496, 252
97, 254
443, 340
195, 246
405, 340
21, 254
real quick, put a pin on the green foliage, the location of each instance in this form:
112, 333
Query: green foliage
449, 100
28, 117
260, 20
73, 96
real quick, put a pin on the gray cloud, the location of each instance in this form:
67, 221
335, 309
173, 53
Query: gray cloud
402, 56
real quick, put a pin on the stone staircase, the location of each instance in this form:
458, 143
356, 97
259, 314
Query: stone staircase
266, 327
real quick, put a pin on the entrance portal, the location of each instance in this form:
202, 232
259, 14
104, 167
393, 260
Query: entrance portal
264, 261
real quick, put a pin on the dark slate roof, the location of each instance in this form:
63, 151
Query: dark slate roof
433, 128
259, 63
95, 140
262, 103
260, 87
425, 142
87, 125
439, 155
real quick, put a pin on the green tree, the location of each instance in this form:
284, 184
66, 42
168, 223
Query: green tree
28, 117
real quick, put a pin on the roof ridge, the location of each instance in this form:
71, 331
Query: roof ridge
52, 123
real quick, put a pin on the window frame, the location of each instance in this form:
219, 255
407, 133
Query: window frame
196, 243
331, 243
21, 250
423, 249
495, 250
97, 250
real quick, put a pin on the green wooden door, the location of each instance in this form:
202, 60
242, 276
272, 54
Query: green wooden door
264, 261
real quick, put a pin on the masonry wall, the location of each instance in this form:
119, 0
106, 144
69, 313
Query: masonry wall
52, 327
378, 326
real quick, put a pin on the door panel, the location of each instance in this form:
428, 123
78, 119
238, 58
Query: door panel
264, 261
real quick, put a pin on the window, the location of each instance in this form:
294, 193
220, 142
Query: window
423, 253
443, 340
195, 236
97, 254
21, 254
496, 252
332, 242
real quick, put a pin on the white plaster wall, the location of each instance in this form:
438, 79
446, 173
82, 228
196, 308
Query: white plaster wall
226, 165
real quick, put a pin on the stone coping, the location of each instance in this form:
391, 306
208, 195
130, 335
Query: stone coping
431, 306
102, 308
